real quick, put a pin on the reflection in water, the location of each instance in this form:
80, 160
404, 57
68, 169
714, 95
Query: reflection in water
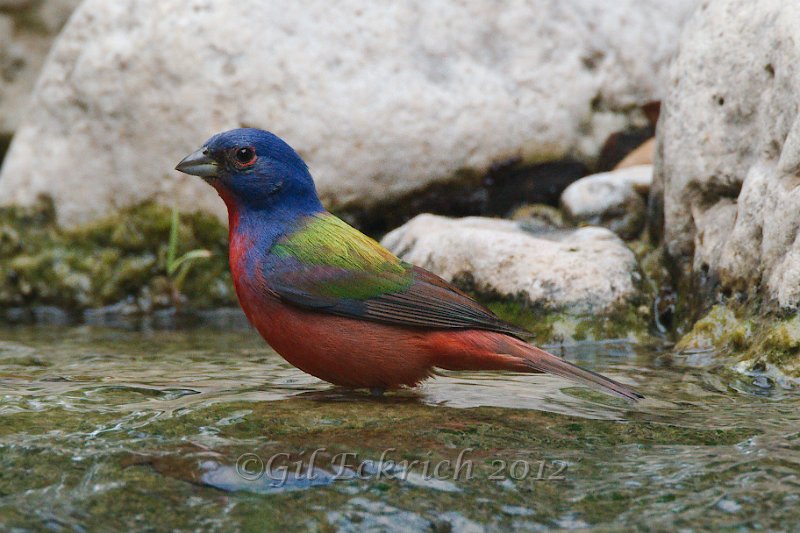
87, 414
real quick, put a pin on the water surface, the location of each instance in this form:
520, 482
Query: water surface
201, 428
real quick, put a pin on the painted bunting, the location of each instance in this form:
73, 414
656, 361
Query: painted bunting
335, 303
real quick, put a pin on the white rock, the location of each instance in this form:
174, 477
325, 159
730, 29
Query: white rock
380, 99
728, 158
612, 199
588, 270
27, 29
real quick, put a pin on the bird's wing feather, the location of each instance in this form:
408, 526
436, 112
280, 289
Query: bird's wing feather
330, 267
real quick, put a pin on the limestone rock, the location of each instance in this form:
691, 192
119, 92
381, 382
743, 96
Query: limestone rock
728, 159
27, 29
588, 270
381, 101
615, 200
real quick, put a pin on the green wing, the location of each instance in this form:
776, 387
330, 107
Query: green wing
331, 267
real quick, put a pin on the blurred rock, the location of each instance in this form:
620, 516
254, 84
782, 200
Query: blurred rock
652, 110
588, 270
631, 142
27, 29
536, 218
381, 102
643, 155
725, 193
505, 186
50, 315
615, 200
535, 184
621, 144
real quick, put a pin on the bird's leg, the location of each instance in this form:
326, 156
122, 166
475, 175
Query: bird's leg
377, 391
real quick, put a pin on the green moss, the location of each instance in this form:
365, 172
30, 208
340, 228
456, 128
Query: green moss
538, 217
119, 258
778, 345
563, 326
743, 338
651, 260
360, 423
712, 331
59, 421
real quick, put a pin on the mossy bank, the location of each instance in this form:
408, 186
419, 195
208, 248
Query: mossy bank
120, 259
121, 263
736, 335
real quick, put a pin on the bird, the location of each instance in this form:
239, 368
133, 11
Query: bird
335, 303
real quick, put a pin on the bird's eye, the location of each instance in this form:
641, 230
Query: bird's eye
245, 156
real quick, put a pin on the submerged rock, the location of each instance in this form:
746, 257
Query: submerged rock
381, 102
615, 200
763, 346
582, 271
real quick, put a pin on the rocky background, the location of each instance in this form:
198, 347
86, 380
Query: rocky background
511, 150
27, 30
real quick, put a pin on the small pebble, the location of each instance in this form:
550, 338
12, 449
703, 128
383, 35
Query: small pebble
728, 506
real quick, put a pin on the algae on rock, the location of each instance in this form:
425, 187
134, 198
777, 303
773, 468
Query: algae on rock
747, 341
566, 327
119, 258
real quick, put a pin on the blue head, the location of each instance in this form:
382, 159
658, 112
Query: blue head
254, 170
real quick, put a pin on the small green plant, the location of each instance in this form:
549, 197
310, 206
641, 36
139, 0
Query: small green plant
178, 267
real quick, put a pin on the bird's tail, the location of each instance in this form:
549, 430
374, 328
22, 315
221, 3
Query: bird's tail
537, 360
483, 350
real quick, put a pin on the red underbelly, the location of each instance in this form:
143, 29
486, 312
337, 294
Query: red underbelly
359, 353
344, 351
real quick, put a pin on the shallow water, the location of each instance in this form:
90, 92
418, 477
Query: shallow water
113, 429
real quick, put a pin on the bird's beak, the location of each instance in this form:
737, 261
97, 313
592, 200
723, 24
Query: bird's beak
198, 164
